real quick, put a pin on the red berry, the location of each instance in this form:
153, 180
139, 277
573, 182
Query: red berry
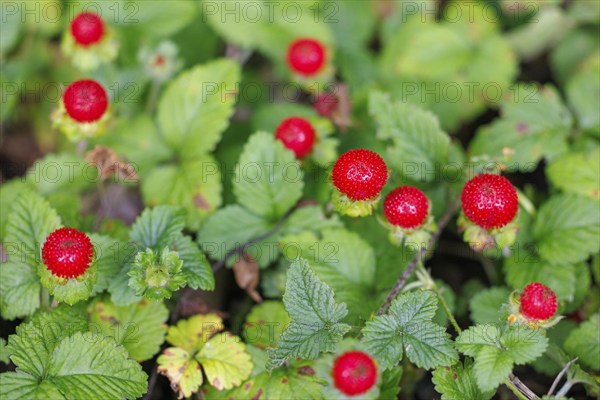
359, 174
538, 302
85, 101
354, 372
87, 28
490, 201
406, 206
297, 134
67, 252
306, 56
326, 104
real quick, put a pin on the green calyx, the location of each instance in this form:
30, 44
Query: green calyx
353, 208
155, 275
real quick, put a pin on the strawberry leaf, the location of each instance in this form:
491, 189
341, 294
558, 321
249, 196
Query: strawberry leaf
459, 382
315, 315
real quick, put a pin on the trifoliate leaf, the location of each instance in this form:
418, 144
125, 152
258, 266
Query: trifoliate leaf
485, 305
266, 323
407, 327
195, 108
567, 229
577, 173
155, 275
194, 185
315, 315
584, 342
191, 334
225, 361
140, 327
268, 178
417, 137
496, 351
534, 125
343, 261
459, 382
198, 272
57, 358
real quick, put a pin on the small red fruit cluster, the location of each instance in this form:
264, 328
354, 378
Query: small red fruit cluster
67, 252
490, 201
85, 100
306, 56
87, 29
538, 302
360, 174
406, 207
297, 135
354, 373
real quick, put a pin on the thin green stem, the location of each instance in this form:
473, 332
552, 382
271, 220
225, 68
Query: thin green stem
515, 390
45, 299
432, 285
153, 97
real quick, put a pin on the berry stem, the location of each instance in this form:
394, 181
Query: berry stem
432, 285
522, 388
560, 375
420, 255
45, 299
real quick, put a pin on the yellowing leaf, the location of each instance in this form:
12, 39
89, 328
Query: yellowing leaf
191, 334
225, 361
184, 373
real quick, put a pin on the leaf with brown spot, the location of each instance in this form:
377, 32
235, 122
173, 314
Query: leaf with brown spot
247, 276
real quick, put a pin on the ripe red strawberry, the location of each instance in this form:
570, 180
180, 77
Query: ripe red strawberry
360, 174
306, 56
354, 373
85, 100
67, 252
538, 302
326, 104
87, 29
490, 201
297, 134
406, 206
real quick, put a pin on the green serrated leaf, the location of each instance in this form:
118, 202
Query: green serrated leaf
195, 108
268, 178
19, 290
194, 185
582, 93
496, 351
110, 255
4, 353
198, 272
191, 334
577, 173
61, 172
315, 315
266, 323
534, 126
140, 327
30, 221
584, 343
567, 229
415, 133
407, 327
228, 228
158, 227
98, 369
459, 382
485, 305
